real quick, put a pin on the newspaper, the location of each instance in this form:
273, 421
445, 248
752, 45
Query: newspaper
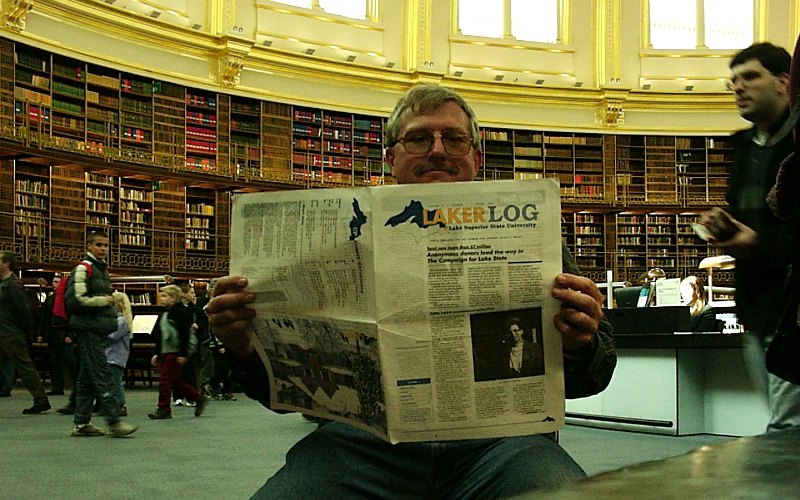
392, 308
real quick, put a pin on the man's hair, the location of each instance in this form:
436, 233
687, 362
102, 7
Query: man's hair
513, 321
9, 258
94, 236
425, 98
776, 59
185, 287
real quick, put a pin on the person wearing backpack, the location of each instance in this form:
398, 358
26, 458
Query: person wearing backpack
15, 326
55, 331
92, 317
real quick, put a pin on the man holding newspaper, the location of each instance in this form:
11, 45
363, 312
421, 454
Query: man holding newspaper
432, 137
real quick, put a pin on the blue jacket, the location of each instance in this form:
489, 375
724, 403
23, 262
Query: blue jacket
119, 343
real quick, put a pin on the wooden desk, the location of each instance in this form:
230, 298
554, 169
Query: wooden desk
138, 367
764, 466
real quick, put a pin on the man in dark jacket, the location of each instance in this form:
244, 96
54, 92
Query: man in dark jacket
92, 317
747, 229
55, 331
15, 323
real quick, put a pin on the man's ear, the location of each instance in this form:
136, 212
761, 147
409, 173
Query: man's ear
389, 155
477, 161
784, 79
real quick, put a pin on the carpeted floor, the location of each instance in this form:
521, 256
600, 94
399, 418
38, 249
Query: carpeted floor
227, 453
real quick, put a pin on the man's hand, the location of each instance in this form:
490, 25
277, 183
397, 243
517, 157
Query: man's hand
581, 309
730, 235
181, 360
229, 314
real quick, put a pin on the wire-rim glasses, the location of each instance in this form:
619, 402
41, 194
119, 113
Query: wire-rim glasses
420, 142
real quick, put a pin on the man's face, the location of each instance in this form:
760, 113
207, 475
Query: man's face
99, 248
437, 165
760, 96
56, 281
516, 332
190, 296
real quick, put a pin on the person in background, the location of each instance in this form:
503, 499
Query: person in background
59, 342
205, 358
784, 203
703, 316
15, 325
432, 136
92, 317
189, 371
747, 229
174, 329
119, 347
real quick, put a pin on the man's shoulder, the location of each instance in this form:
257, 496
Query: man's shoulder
742, 136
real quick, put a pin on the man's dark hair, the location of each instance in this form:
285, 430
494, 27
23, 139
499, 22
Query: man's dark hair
9, 258
94, 236
776, 59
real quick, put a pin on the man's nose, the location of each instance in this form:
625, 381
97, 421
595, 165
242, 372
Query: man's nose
438, 146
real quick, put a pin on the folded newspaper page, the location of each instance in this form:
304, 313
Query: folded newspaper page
416, 312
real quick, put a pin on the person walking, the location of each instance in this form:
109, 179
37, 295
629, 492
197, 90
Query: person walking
747, 229
15, 324
92, 317
175, 327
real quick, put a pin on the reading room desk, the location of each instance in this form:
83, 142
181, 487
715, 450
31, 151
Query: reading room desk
763, 466
677, 384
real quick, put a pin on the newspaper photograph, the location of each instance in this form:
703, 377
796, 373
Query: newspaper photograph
416, 312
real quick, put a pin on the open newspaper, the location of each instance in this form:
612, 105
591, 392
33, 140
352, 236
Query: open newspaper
417, 312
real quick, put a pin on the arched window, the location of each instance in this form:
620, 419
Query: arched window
693, 24
528, 20
355, 9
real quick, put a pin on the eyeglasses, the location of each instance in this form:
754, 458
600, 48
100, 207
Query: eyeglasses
745, 78
420, 142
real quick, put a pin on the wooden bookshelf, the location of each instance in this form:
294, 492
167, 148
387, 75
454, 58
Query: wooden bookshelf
169, 219
200, 227
201, 131
276, 141
68, 83
136, 116
169, 118
245, 136
135, 214
102, 204
68, 205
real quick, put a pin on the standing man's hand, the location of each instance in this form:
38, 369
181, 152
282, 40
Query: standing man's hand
581, 310
730, 235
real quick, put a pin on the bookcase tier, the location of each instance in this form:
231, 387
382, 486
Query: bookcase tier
154, 164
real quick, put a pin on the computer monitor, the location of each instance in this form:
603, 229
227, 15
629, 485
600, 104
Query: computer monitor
627, 296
